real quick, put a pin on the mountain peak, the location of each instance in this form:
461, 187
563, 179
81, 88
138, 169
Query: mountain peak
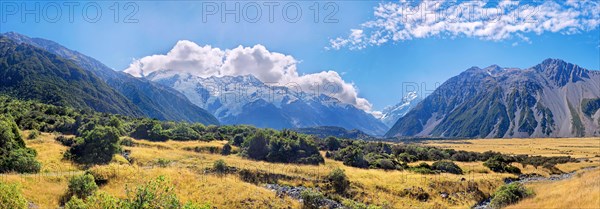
562, 72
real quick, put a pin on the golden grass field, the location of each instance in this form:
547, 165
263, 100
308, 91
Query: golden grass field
582, 191
186, 169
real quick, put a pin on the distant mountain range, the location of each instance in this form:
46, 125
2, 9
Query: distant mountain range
391, 114
551, 99
247, 100
142, 97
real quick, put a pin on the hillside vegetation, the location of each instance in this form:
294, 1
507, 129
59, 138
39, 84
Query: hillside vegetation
27, 72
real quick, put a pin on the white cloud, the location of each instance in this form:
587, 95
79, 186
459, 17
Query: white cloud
405, 20
270, 67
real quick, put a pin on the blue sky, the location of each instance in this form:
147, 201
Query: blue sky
379, 71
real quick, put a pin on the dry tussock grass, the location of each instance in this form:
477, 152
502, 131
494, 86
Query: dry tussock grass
187, 171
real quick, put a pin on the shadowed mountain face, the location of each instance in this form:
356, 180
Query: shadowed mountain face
153, 100
28, 72
247, 100
551, 99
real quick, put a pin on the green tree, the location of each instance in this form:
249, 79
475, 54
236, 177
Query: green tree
257, 146
238, 139
332, 143
226, 149
14, 156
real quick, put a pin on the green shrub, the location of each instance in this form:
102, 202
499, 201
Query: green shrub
21, 160
500, 165
512, 169
182, 132
127, 141
11, 197
155, 194
423, 165
15, 156
385, 164
66, 141
98, 200
509, 194
226, 149
338, 181
76, 203
285, 147
97, 147
151, 196
81, 186
33, 134
238, 139
408, 158
161, 162
423, 168
311, 199
256, 146
447, 167
332, 143
350, 204
220, 166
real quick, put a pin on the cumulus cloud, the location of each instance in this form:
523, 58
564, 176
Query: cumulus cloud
272, 68
484, 19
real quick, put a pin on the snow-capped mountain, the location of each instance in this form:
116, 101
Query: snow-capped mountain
247, 100
391, 114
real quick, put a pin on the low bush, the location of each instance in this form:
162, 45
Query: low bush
155, 194
446, 167
66, 141
158, 193
161, 162
423, 168
226, 149
311, 199
33, 134
81, 187
500, 165
509, 194
338, 180
11, 197
350, 204
220, 166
